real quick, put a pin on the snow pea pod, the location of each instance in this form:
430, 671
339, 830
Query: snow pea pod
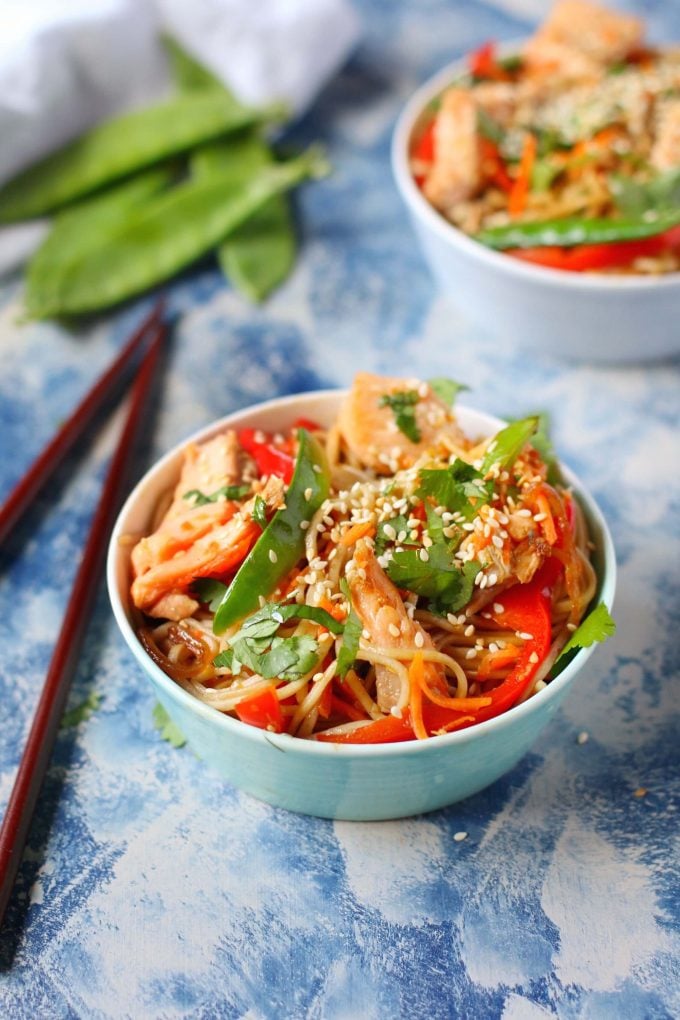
282, 543
122, 146
259, 255
169, 233
571, 231
83, 226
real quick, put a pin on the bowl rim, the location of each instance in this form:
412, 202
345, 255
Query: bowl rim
422, 210
118, 551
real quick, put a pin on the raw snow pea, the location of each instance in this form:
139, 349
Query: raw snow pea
571, 231
122, 146
170, 232
83, 226
260, 254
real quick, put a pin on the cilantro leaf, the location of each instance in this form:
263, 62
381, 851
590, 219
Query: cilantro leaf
351, 636
208, 590
542, 442
382, 538
634, 198
441, 579
460, 488
506, 446
597, 626
489, 128
267, 620
260, 512
166, 727
82, 711
403, 405
447, 389
198, 498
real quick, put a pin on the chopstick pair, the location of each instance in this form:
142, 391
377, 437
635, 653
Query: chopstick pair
38, 749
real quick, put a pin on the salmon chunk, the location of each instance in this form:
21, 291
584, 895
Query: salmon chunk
384, 617
454, 175
369, 426
580, 38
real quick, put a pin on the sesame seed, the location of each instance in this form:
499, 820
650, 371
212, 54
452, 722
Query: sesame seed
469, 630
471, 652
498, 608
460, 836
493, 647
524, 635
394, 630
304, 525
365, 634
497, 541
523, 512
316, 468
308, 494
389, 531
540, 517
419, 640
493, 579
424, 555
571, 626
533, 657
582, 738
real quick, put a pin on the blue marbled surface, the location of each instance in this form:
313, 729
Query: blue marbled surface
151, 888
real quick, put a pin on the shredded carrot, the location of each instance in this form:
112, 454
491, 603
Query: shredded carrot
517, 199
464, 720
334, 609
357, 531
547, 525
460, 704
416, 676
494, 661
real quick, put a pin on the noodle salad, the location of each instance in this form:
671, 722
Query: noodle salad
565, 154
385, 579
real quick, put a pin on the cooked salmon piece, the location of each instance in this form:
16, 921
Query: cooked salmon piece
455, 172
218, 551
207, 468
383, 615
580, 38
370, 430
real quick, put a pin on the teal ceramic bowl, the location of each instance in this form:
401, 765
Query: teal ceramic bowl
330, 780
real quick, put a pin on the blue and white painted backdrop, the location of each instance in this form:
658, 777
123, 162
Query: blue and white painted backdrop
151, 888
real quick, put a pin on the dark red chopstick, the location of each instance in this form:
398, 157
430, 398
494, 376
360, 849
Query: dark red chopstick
36, 756
74, 426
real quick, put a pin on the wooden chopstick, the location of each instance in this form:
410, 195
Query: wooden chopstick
34, 761
57, 448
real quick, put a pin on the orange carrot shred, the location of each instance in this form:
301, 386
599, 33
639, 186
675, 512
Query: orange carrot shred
416, 676
517, 199
356, 532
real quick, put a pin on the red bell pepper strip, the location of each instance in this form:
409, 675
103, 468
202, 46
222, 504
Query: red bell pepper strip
483, 63
270, 458
526, 608
585, 257
263, 710
423, 153
493, 164
389, 730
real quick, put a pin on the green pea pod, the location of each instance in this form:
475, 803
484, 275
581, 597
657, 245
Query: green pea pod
571, 231
122, 146
171, 231
282, 543
84, 225
259, 255
189, 74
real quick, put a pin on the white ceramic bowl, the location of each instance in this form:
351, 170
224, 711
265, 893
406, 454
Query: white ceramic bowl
324, 779
569, 315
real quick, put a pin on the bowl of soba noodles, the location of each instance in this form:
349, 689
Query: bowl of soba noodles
362, 604
542, 179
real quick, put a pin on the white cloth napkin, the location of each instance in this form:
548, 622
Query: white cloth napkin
67, 64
